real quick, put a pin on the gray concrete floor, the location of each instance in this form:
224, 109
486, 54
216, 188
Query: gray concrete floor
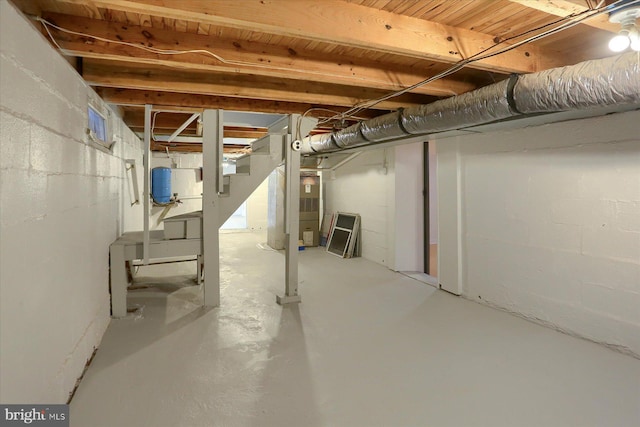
367, 347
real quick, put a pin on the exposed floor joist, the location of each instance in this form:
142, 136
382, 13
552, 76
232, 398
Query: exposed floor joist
268, 60
141, 76
167, 123
290, 56
565, 7
182, 147
194, 102
351, 25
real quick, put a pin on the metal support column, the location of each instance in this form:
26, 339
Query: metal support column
199, 261
118, 281
212, 141
291, 212
146, 160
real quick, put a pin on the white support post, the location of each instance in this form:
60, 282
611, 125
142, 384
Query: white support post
450, 248
212, 140
146, 160
291, 214
199, 269
118, 281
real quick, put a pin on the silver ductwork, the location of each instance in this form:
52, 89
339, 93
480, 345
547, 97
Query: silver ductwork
480, 106
349, 137
585, 85
590, 84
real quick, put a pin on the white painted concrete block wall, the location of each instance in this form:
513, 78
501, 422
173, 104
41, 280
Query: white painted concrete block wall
185, 183
551, 224
433, 194
409, 208
362, 186
389, 200
60, 208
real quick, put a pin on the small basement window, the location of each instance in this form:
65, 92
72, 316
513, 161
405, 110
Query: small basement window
97, 127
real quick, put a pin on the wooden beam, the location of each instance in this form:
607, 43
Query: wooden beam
566, 7
196, 148
180, 148
268, 60
244, 132
166, 123
193, 102
162, 122
348, 25
135, 76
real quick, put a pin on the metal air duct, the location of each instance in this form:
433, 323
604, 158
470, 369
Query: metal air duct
589, 84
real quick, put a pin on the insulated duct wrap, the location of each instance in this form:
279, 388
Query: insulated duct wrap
383, 127
349, 137
590, 84
608, 81
483, 105
319, 143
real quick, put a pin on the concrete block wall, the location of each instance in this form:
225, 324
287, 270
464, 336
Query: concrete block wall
183, 181
186, 183
63, 200
408, 233
433, 194
366, 186
385, 187
551, 225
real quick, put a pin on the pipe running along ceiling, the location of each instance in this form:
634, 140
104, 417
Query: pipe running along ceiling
590, 84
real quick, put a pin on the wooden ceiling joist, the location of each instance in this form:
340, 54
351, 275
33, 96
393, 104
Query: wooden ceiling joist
297, 56
566, 7
140, 76
349, 25
196, 148
167, 123
194, 102
268, 60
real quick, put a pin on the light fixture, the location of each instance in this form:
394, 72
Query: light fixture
619, 42
628, 35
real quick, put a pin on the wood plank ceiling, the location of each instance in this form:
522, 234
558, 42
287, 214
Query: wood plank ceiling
288, 56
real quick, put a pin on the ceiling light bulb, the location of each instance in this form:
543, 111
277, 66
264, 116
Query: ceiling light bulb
619, 43
626, 14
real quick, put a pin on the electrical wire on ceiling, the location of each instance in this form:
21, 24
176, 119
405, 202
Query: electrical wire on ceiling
330, 111
48, 25
153, 124
336, 113
573, 20
565, 23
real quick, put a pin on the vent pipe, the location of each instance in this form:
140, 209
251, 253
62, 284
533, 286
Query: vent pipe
590, 84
